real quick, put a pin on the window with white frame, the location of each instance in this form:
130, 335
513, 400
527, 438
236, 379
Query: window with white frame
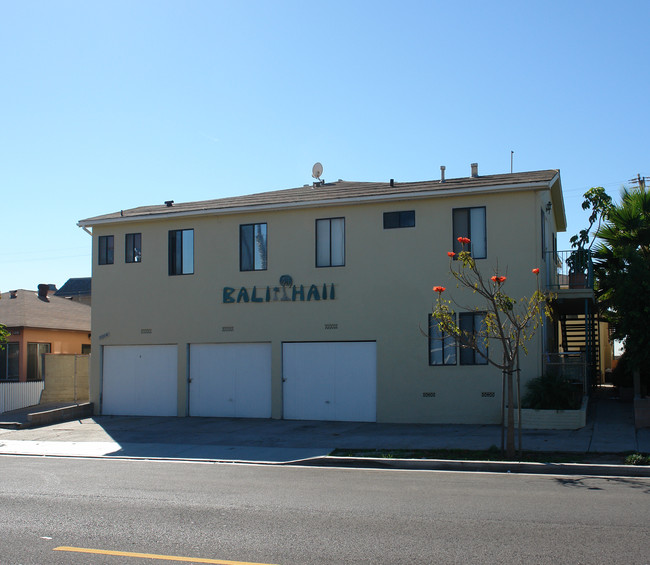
470, 223
330, 242
181, 252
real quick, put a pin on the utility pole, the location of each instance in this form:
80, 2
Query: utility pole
639, 181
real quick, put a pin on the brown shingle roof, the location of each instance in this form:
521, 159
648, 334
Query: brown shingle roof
28, 310
331, 193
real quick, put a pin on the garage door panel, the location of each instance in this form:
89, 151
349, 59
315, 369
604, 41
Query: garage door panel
140, 380
330, 381
230, 380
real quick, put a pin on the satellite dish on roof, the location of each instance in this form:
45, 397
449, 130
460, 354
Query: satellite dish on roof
317, 170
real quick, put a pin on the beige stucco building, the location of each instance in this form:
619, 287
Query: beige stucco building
313, 302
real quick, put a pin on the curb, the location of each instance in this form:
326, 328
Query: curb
479, 466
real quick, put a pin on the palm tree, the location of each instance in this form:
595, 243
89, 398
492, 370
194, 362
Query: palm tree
622, 268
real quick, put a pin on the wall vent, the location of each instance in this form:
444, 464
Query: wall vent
487, 395
428, 394
145, 331
331, 326
227, 328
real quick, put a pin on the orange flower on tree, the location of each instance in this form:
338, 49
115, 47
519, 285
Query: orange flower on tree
439, 289
464, 240
536, 271
451, 254
498, 279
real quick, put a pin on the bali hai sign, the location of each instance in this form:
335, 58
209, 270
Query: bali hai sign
286, 292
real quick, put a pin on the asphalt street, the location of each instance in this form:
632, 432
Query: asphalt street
291, 515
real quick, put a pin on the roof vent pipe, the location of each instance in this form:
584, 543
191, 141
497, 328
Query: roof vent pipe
442, 173
169, 203
43, 289
474, 169
392, 182
13, 293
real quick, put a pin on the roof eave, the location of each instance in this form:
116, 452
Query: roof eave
438, 193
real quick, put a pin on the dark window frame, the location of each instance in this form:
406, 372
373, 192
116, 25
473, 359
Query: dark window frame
448, 344
467, 355
106, 250
176, 254
6, 358
457, 231
329, 262
133, 248
35, 363
251, 252
401, 219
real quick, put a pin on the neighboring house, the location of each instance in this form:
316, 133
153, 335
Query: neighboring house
77, 289
313, 303
40, 323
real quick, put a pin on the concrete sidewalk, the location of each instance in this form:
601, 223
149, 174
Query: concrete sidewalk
610, 429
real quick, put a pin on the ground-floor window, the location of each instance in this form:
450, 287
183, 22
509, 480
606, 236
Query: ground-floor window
9, 367
35, 353
442, 347
472, 325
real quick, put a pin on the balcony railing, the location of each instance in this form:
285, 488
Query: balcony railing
572, 365
569, 269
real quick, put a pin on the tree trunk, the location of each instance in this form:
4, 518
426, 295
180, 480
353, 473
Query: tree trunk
510, 439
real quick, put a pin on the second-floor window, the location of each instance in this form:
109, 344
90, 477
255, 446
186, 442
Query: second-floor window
105, 250
181, 252
470, 222
330, 242
403, 219
133, 244
252, 247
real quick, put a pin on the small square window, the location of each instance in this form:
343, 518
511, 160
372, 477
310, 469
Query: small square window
403, 219
105, 250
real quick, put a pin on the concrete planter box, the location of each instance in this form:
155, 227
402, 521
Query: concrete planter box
553, 419
642, 412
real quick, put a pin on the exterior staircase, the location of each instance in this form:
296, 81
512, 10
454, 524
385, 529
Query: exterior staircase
580, 334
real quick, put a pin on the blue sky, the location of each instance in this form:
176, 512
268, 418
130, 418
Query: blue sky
111, 105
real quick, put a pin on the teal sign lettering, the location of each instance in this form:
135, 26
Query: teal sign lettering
286, 292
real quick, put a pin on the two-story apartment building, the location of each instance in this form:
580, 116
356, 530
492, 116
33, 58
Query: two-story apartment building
312, 302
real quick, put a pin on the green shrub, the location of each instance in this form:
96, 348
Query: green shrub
637, 459
551, 392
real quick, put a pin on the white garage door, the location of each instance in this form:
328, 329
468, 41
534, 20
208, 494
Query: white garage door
330, 381
140, 380
230, 380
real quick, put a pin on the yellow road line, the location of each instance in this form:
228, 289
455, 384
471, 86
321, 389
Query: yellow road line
154, 556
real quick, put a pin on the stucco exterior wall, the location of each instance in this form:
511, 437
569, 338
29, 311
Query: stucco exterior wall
383, 294
61, 341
